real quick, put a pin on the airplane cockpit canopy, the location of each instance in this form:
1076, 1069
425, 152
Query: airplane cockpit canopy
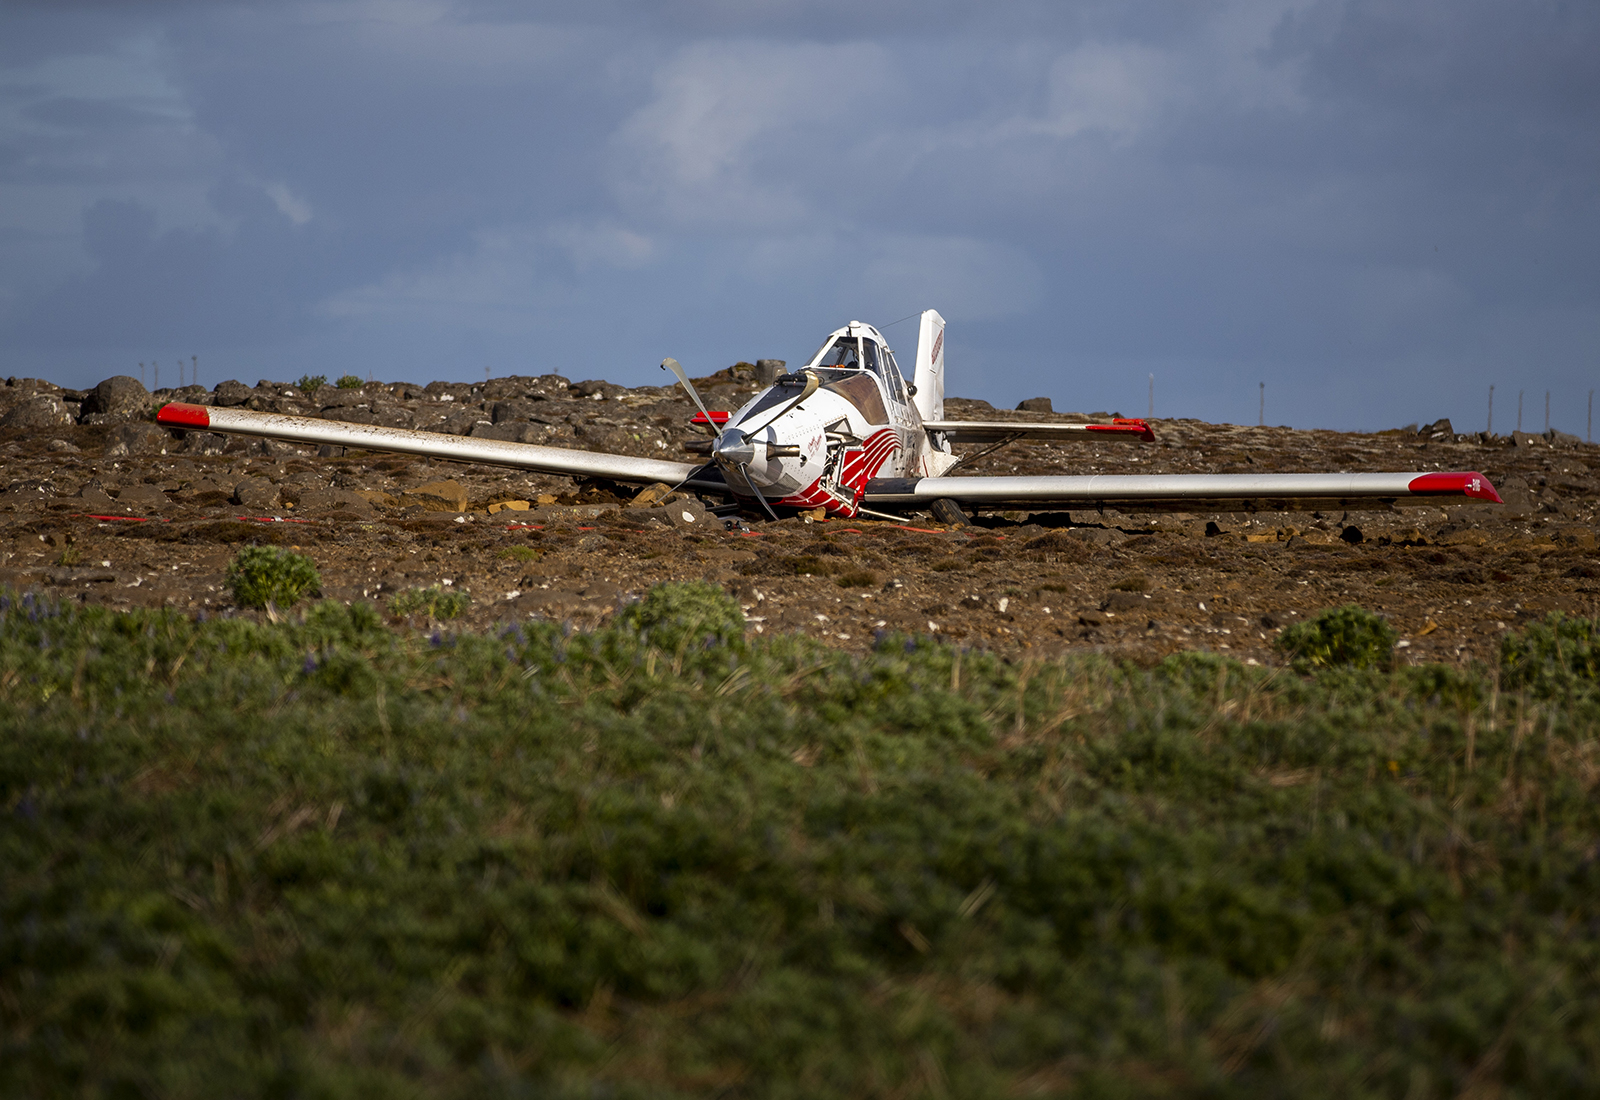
858, 347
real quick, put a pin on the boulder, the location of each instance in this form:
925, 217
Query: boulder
256, 493
140, 497
117, 398
231, 393
438, 496
687, 513
143, 439
35, 414
323, 501
1035, 405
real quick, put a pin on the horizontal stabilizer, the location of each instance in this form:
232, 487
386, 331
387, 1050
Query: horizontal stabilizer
1189, 492
999, 431
371, 437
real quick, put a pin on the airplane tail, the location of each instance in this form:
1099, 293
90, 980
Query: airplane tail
929, 374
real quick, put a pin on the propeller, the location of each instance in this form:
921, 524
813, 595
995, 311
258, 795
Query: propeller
671, 364
738, 451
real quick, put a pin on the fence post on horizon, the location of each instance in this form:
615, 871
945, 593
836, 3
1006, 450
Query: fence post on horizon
1490, 429
1519, 408
194, 370
1261, 417
1589, 434
1546, 410
1152, 414
142, 379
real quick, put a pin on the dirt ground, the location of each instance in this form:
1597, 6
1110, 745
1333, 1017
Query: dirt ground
102, 506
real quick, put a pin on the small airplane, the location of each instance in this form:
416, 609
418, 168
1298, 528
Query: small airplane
848, 434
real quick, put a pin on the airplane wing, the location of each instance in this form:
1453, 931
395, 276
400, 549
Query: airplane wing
1003, 431
526, 456
1189, 492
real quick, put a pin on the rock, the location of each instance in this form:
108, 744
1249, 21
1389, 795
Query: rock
117, 398
95, 498
686, 513
381, 498
1517, 495
144, 439
768, 370
1439, 429
323, 501
256, 493
438, 496
645, 517
1126, 601
1564, 439
62, 447
141, 497
1035, 405
1098, 536
80, 576
36, 414
1528, 439
231, 393
653, 494
204, 443
509, 506
512, 431
1352, 535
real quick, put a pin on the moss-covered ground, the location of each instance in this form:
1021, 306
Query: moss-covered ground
326, 857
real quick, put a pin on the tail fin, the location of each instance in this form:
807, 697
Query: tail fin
929, 374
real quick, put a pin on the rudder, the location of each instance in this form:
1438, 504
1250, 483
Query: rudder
929, 374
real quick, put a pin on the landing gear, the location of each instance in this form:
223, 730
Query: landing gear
946, 512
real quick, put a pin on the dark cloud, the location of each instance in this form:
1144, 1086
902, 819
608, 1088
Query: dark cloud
1376, 208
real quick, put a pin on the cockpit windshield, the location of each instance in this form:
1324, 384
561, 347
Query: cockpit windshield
845, 353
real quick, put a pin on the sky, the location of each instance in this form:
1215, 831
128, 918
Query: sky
1376, 209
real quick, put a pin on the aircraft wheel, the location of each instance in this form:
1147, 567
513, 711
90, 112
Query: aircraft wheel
946, 512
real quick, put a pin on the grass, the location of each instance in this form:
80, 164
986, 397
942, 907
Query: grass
271, 577
434, 602
324, 857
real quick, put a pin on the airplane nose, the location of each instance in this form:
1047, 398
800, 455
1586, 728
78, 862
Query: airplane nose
734, 447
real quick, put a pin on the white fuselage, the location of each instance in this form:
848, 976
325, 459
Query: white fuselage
796, 449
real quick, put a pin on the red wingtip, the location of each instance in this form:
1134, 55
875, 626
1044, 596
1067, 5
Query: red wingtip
1469, 483
182, 415
1127, 426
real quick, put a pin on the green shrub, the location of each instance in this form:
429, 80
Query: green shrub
1340, 637
675, 616
349, 382
520, 553
860, 578
1552, 655
435, 601
263, 576
310, 383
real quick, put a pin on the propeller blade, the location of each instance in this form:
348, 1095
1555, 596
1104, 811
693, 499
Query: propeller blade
744, 470
671, 364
